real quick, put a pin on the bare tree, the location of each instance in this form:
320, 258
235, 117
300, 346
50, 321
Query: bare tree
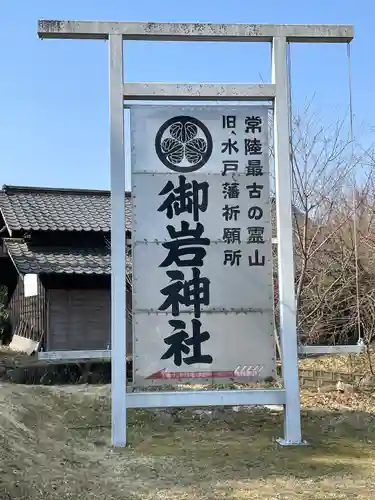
326, 264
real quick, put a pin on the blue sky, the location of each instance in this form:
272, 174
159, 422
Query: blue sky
54, 93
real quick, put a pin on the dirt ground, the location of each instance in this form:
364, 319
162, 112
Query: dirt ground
55, 444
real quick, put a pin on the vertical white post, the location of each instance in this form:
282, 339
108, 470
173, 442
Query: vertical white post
283, 174
118, 282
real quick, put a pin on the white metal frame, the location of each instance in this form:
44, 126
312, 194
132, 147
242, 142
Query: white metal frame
332, 349
279, 36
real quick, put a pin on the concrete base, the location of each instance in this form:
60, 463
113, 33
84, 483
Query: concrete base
283, 442
22, 344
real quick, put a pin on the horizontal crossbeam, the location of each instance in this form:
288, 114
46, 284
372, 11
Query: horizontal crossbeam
106, 354
74, 355
198, 92
330, 349
100, 30
205, 398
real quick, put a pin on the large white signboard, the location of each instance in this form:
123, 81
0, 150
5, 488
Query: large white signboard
202, 260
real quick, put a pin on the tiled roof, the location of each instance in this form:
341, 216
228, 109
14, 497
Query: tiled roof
49, 209
36, 260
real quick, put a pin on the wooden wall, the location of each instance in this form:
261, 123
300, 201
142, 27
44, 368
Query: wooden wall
80, 319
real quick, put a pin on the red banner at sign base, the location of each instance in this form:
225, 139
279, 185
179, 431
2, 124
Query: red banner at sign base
167, 375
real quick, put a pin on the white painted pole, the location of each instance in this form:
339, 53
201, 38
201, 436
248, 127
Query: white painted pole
118, 282
283, 175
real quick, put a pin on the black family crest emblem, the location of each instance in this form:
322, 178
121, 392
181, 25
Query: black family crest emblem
183, 144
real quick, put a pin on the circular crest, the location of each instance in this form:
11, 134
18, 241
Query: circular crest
183, 144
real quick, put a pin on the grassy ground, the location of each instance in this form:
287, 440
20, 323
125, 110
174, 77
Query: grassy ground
55, 444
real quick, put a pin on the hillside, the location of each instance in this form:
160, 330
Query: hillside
55, 444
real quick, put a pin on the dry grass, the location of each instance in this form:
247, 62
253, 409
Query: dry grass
56, 445
13, 358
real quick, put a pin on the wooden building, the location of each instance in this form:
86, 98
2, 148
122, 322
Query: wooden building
60, 238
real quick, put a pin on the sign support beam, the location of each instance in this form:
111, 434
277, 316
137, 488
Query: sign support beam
284, 221
198, 92
118, 243
193, 32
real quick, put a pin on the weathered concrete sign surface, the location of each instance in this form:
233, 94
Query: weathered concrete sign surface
202, 267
